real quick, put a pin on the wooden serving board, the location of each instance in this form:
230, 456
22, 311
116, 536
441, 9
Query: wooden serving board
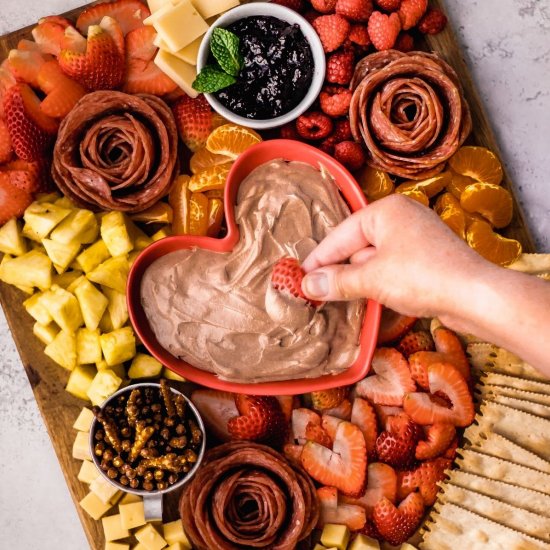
59, 409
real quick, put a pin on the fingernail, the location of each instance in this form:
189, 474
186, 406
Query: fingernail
316, 285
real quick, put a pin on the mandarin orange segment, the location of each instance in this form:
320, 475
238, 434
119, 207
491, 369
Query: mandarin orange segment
492, 246
491, 201
210, 179
160, 212
214, 194
179, 201
458, 183
456, 219
445, 200
418, 195
431, 187
478, 163
198, 214
231, 140
376, 184
203, 159
215, 217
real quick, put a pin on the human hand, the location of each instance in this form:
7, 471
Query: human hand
416, 264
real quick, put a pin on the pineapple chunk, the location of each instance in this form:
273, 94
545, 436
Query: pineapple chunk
45, 333
161, 234
41, 217
11, 240
28, 270
65, 202
112, 273
362, 542
139, 238
75, 283
36, 309
80, 226
90, 258
106, 325
64, 280
119, 369
118, 346
115, 234
63, 350
80, 381
144, 366
83, 422
117, 308
104, 384
92, 303
88, 348
64, 308
47, 197
61, 254
171, 375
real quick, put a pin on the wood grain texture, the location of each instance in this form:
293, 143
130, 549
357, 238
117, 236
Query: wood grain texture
59, 409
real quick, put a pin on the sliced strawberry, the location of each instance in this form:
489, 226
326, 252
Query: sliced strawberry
396, 525
37, 177
342, 411
342, 514
49, 36
314, 432
288, 403
287, 278
444, 378
73, 41
393, 325
414, 341
293, 452
301, 417
142, 75
423, 479
330, 423
381, 483
328, 399
22, 179
450, 453
7, 80
25, 45
384, 411
447, 342
30, 129
57, 19
396, 449
128, 13
391, 379
6, 147
364, 417
419, 363
13, 201
438, 438
343, 467
25, 65
216, 409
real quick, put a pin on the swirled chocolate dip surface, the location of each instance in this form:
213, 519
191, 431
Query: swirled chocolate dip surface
219, 312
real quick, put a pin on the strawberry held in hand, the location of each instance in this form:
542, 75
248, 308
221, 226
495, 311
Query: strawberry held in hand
287, 277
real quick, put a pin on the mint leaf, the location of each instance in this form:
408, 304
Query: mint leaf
212, 79
225, 47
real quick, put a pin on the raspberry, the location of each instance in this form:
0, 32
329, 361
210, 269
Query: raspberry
324, 6
433, 22
342, 132
332, 30
388, 5
383, 30
340, 67
296, 5
311, 15
356, 10
314, 125
350, 154
404, 42
411, 11
288, 131
335, 100
359, 35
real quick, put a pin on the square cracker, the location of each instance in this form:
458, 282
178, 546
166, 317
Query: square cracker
529, 500
506, 514
522, 405
499, 379
452, 527
534, 397
492, 467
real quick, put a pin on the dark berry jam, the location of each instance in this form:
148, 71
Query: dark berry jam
277, 72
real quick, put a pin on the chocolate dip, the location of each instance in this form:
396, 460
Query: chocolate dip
219, 312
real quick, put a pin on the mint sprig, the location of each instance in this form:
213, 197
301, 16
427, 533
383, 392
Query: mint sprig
225, 47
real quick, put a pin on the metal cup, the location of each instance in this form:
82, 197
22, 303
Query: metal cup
152, 500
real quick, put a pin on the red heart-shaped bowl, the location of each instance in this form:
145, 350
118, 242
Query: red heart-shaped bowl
252, 158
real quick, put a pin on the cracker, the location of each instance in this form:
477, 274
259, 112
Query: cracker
492, 467
530, 500
535, 397
452, 527
532, 263
506, 514
522, 405
520, 383
482, 439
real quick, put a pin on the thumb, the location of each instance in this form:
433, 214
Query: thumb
339, 283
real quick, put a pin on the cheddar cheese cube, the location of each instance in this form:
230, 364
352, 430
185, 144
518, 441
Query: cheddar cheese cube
209, 8
132, 515
150, 538
174, 533
113, 529
93, 506
182, 73
88, 472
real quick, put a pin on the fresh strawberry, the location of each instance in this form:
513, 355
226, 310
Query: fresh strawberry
423, 478
314, 432
359, 35
334, 101
343, 467
142, 75
371, 531
383, 30
355, 10
314, 125
324, 6
404, 43
25, 45
100, 66
332, 30
391, 379
261, 419
112, 28
397, 448
340, 66
450, 453
433, 22
37, 174
63, 93
288, 131
287, 278
396, 525
331, 511
216, 409
293, 452
444, 378
401, 424
24, 180
411, 12
6, 147
13, 201
342, 411
31, 131
25, 65
329, 424
447, 343
439, 437
381, 483
419, 363
57, 19
296, 5
128, 13
364, 417
383, 412
287, 403
414, 341
328, 399
348, 153
301, 417
393, 326
388, 5
49, 36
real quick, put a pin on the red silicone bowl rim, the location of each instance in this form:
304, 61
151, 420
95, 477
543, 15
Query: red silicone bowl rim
245, 163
